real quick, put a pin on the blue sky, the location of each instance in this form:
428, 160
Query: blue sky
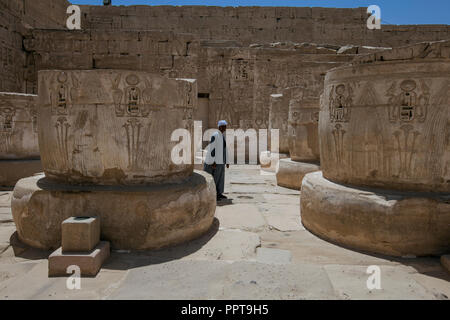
392, 11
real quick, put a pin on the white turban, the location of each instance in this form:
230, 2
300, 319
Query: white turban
222, 123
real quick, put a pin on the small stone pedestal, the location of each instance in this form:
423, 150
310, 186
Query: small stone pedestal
81, 247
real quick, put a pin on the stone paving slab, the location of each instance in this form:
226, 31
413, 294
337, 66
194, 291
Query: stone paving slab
273, 256
253, 280
6, 230
307, 248
35, 284
350, 282
227, 244
240, 216
174, 280
221, 280
281, 217
291, 199
437, 283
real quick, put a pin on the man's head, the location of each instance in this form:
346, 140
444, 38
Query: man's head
222, 125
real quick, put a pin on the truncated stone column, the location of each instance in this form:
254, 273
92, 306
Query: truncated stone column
303, 139
385, 150
19, 150
105, 141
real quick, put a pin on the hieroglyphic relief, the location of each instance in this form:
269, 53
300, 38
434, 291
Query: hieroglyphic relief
32, 112
7, 114
241, 70
371, 161
63, 93
188, 114
341, 99
409, 103
132, 102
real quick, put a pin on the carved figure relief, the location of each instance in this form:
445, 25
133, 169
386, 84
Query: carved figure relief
63, 94
408, 103
133, 129
338, 137
133, 95
241, 70
62, 132
6, 127
33, 115
341, 99
131, 101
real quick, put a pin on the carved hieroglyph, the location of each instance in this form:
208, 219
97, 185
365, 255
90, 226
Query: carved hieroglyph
386, 125
18, 130
303, 127
111, 126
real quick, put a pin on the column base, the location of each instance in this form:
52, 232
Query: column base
375, 220
132, 217
269, 160
290, 173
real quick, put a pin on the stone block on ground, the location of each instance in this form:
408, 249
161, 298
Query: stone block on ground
80, 234
88, 262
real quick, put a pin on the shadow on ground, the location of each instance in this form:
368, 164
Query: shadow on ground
24, 251
224, 202
426, 265
120, 260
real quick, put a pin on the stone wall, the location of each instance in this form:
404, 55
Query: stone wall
234, 83
261, 24
231, 51
17, 17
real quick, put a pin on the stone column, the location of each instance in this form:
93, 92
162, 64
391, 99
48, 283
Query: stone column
19, 150
278, 115
385, 150
303, 139
106, 146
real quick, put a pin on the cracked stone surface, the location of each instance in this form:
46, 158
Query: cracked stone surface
256, 249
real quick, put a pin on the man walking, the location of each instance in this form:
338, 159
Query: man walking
217, 159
